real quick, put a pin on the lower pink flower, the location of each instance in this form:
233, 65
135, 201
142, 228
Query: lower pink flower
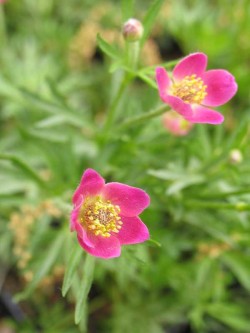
105, 216
176, 124
192, 89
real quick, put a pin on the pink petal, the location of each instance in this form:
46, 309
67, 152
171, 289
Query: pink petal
163, 80
204, 115
164, 85
76, 226
131, 200
178, 105
103, 247
90, 185
133, 231
221, 87
194, 63
73, 219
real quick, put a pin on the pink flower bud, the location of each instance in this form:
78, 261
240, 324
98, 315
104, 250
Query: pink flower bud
132, 30
176, 124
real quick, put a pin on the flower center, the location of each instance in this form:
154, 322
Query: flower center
191, 89
101, 217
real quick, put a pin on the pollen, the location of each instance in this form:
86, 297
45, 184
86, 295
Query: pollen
100, 217
191, 89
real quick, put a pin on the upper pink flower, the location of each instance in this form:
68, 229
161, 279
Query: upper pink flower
193, 89
105, 216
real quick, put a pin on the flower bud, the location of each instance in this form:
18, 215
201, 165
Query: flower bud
132, 30
235, 156
176, 124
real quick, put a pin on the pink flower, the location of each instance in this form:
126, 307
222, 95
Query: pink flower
105, 216
193, 89
176, 124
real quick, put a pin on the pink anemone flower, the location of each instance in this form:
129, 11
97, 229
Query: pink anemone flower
194, 89
176, 124
105, 216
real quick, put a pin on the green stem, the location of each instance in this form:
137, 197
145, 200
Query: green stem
114, 105
168, 64
146, 116
133, 50
239, 206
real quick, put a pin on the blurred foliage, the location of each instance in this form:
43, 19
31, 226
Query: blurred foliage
56, 88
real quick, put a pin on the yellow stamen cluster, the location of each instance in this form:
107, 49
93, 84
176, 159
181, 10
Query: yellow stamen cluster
191, 89
101, 217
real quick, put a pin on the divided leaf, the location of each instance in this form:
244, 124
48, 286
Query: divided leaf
84, 288
150, 18
72, 264
108, 49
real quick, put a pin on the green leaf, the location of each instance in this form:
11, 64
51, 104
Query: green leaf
165, 174
240, 135
51, 121
180, 180
51, 254
203, 272
107, 48
52, 108
23, 166
127, 9
205, 141
240, 266
230, 315
40, 102
46, 135
40, 233
153, 242
149, 19
179, 185
81, 303
71, 267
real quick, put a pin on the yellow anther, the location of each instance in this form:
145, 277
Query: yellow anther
191, 89
100, 217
